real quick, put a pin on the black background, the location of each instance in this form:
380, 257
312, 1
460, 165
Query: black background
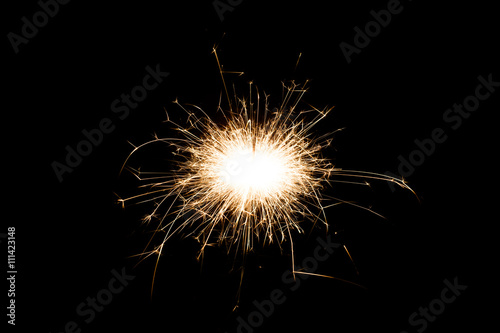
71, 234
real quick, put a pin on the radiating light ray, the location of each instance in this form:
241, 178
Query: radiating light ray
256, 177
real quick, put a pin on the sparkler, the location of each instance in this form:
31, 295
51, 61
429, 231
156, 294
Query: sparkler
256, 177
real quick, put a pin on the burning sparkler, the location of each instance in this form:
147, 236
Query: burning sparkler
256, 177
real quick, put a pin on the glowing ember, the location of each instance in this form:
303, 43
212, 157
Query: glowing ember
258, 175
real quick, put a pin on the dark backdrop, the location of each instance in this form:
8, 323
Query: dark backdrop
71, 235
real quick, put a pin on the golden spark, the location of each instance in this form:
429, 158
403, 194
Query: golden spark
256, 177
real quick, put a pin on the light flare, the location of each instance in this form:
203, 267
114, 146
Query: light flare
262, 172
259, 175
250, 178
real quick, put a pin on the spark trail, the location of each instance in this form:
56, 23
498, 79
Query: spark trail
255, 177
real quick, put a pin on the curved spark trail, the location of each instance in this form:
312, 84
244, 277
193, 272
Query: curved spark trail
256, 177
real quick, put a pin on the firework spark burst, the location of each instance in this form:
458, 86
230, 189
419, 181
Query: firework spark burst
255, 178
